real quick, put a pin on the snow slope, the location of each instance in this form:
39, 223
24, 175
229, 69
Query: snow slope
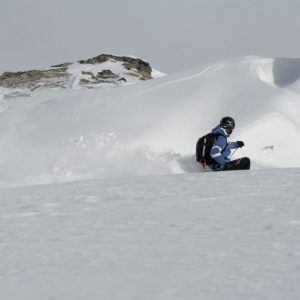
151, 127
216, 236
121, 235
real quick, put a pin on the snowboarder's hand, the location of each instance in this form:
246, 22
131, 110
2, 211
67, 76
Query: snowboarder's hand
240, 144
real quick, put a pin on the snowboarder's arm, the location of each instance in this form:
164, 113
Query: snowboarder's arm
232, 145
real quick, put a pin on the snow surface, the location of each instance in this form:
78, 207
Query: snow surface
127, 213
213, 236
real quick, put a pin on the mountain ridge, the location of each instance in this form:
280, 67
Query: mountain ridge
104, 70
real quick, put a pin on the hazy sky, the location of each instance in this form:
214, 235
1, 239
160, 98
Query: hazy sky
171, 34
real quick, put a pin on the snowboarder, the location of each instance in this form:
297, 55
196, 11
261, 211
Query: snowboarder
221, 148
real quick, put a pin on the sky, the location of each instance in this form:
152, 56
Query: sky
172, 35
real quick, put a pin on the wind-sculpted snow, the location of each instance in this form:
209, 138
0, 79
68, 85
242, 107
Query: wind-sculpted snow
286, 71
151, 127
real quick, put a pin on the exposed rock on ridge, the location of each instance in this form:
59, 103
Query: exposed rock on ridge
142, 67
101, 71
32, 79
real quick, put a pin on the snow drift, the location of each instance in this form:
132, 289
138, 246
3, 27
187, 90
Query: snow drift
152, 127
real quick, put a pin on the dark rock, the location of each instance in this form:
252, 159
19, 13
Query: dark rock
30, 79
142, 67
107, 74
67, 64
88, 73
58, 77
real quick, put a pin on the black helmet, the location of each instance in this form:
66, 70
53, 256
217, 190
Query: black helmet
228, 124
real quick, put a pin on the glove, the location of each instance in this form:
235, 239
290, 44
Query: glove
240, 144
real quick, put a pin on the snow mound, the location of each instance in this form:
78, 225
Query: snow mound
152, 127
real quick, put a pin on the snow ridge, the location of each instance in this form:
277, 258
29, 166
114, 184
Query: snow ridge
150, 128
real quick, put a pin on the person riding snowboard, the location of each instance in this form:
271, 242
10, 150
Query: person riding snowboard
221, 148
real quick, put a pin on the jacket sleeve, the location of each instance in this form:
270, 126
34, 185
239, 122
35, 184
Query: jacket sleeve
216, 151
232, 145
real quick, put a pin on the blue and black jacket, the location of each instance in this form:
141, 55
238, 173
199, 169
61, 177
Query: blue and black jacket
221, 149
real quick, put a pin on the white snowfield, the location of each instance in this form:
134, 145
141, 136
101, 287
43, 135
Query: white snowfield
216, 236
101, 197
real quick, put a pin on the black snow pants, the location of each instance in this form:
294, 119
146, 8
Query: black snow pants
238, 164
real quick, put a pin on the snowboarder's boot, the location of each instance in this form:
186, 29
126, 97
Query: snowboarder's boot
238, 164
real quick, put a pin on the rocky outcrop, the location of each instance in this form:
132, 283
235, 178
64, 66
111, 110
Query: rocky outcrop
62, 76
106, 76
33, 79
130, 63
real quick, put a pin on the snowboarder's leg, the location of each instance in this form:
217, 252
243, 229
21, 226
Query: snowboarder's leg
239, 164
